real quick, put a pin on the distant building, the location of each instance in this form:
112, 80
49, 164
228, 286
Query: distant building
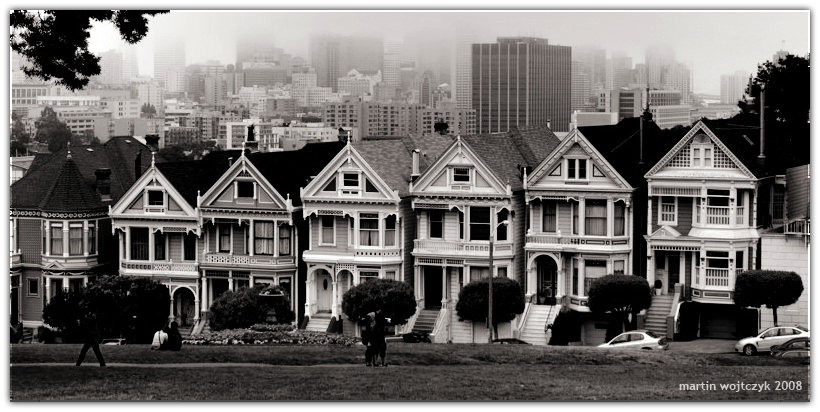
733, 87
536, 87
169, 56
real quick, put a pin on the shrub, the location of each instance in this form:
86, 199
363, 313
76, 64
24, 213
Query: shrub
394, 298
131, 307
619, 295
772, 288
248, 306
566, 327
473, 301
62, 313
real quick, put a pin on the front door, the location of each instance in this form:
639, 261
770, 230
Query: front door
673, 269
184, 309
547, 281
432, 287
324, 291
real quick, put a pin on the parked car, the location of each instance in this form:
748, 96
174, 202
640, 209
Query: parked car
638, 339
795, 355
510, 341
795, 343
773, 336
116, 341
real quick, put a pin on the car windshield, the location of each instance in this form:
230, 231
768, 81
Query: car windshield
803, 328
651, 334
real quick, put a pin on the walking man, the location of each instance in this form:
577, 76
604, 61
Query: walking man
91, 336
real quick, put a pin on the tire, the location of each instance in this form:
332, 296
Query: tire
646, 348
749, 350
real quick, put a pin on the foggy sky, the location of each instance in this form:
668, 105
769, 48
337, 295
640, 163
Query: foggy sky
711, 42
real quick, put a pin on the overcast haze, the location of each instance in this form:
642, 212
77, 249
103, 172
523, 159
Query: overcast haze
712, 43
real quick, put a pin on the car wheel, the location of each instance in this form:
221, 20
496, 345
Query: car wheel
749, 350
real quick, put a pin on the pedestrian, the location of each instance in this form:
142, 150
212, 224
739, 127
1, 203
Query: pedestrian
174, 337
87, 325
379, 336
160, 340
369, 339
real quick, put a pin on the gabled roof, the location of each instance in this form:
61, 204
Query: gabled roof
118, 154
620, 145
69, 193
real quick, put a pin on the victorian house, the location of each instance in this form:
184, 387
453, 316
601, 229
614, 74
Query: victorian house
60, 232
469, 200
358, 214
228, 221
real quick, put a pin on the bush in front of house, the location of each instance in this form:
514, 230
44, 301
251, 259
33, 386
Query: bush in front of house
269, 335
619, 295
473, 301
245, 307
394, 298
769, 288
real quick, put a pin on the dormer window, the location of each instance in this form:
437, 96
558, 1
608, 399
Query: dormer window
577, 169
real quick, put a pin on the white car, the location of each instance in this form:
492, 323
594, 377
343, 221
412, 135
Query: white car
637, 339
763, 342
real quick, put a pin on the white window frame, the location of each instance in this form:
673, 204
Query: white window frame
378, 230
347, 190
698, 155
661, 220
28, 287
236, 189
322, 230
470, 176
575, 169
148, 197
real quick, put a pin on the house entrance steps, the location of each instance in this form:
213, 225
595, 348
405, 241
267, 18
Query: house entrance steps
657, 313
319, 322
535, 325
426, 321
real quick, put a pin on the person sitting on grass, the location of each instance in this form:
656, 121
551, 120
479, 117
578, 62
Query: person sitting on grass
174, 337
160, 341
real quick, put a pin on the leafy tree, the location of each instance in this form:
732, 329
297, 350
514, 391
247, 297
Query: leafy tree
786, 85
249, 306
132, 307
52, 131
148, 110
619, 295
441, 127
772, 288
18, 129
473, 301
394, 298
55, 42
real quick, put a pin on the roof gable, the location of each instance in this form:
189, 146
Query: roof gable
459, 171
135, 202
700, 154
349, 177
553, 171
243, 186
68, 191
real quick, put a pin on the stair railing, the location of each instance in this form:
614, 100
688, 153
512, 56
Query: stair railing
547, 324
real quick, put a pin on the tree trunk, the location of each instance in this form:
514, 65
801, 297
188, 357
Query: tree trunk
495, 330
774, 314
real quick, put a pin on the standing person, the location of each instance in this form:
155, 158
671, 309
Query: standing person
369, 340
379, 335
91, 335
174, 337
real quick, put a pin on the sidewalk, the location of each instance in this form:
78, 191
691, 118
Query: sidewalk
704, 346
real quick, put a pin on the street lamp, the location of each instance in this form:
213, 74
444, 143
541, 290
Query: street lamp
490, 311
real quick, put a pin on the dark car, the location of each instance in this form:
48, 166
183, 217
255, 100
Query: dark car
795, 355
801, 343
510, 341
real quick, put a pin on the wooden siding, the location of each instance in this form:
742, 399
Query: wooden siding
654, 218
685, 218
518, 237
30, 240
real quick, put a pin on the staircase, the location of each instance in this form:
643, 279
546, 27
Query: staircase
537, 319
318, 322
657, 313
426, 321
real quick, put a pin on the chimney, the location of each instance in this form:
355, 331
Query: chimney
761, 158
152, 141
103, 183
416, 173
251, 143
548, 124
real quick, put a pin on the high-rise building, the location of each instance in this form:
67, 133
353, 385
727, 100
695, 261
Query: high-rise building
462, 66
111, 65
619, 71
733, 86
332, 57
520, 81
593, 59
252, 46
678, 77
658, 60
130, 63
169, 55
390, 74
581, 86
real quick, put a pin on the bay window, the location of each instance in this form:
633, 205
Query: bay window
224, 238
263, 238
369, 229
75, 239
595, 217
189, 246
619, 228
364, 276
501, 230
479, 223
285, 240
92, 238
328, 230
390, 231
668, 211
56, 238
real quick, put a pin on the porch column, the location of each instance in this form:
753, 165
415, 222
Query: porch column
230, 280
47, 284
48, 237
649, 213
581, 275
309, 292
582, 202
171, 316
532, 281
417, 285
84, 246
66, 245
650, 267
127, 246
66, 283
561, 278
702, 267
334, 312
150, 244
732, 266
204, 299
444, 295
196, 308
251, 242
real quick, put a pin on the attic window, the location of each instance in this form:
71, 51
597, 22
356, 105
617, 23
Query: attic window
350, 179
369, 187
244, 189
331, 186
156, 198
461, 174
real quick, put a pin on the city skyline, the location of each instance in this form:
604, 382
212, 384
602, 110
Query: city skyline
711, 43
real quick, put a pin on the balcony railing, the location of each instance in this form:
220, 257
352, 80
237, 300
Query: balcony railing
247, 260
798, 227
740, 214
443, 246
717, 277
717, 215
551, 239
161, 267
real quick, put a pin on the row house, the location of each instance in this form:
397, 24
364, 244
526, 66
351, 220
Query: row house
60, 231
228, 221
358, 213
471, 199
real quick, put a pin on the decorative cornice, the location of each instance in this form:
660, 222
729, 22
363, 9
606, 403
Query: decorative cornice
58, 215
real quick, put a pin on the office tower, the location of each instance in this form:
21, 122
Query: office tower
678, 77
333, 57
733, 86
111, 65
658, 60
462, 66
619, 71
593, 61
169, 56
520, 81
581, 86
252, 46
390, 72
130, 63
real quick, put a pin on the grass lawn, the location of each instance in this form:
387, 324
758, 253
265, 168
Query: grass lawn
416, 372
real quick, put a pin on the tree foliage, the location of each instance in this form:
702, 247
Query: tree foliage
619, 295
473, 301
441, 127
18, 129
52, 131
148, 110
249, 306
394, 298
787, 91
772, 288
55, 42
131, 307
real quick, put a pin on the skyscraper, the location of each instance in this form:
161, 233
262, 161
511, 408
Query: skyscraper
111, 65
333, 57
169, 56
619, 71
733, 86
521, 81
130, 63
462, 67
